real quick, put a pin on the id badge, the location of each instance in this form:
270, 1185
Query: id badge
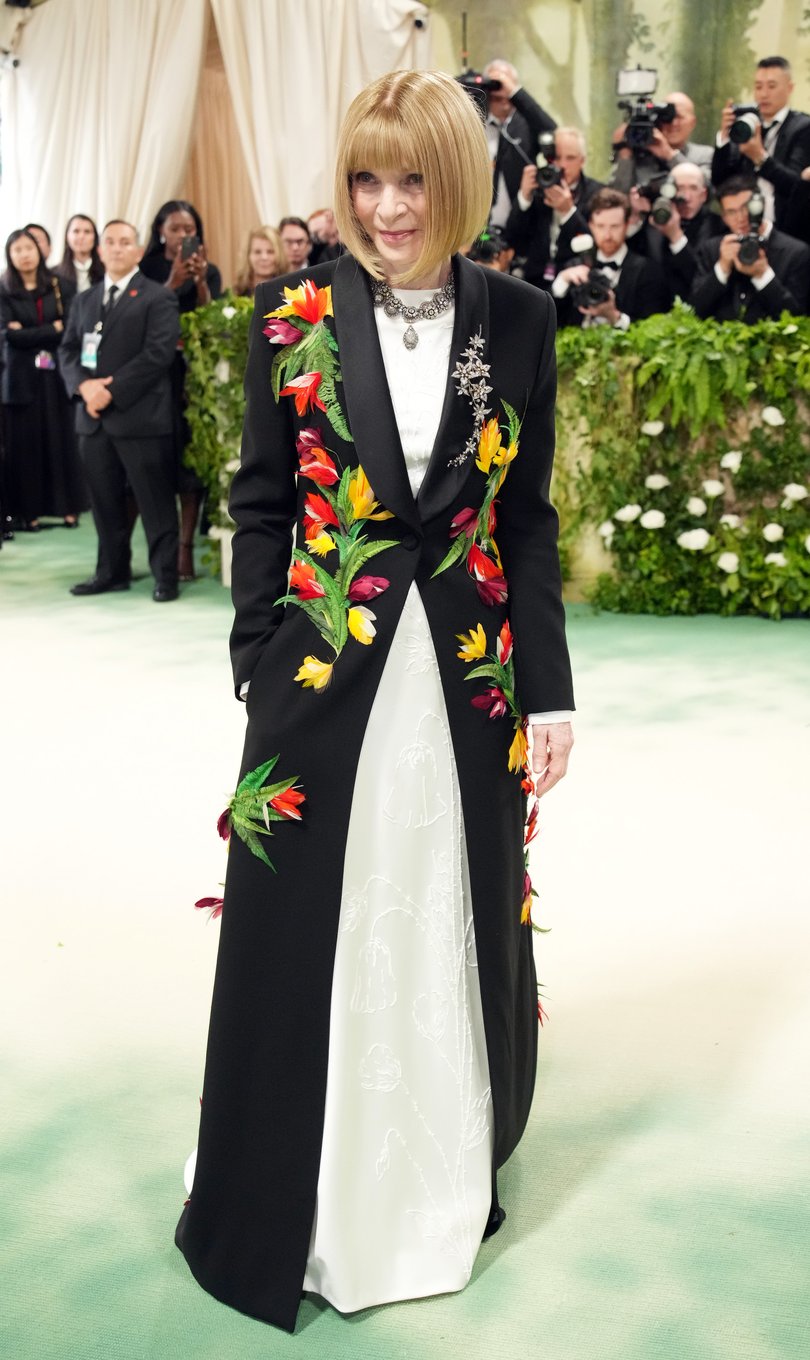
89, 356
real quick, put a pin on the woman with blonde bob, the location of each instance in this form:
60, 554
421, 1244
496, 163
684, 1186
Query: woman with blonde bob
264, 258
373, 1038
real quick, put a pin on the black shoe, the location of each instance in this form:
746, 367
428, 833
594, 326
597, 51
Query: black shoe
71, 523
98, 585
496, 1218
161, 594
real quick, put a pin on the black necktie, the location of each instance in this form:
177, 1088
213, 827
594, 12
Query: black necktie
110, 303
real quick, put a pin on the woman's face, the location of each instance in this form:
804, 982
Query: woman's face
175, 227
24, 255
81, 238
262, 258
390, 207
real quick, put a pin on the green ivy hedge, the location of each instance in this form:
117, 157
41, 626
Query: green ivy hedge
684, 443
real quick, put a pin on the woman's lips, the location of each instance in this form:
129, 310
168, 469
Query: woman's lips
393, 238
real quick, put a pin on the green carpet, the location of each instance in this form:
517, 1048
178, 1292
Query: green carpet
658, 1205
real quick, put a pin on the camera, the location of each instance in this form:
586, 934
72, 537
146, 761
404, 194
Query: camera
746, 122
548, 176
662, 195
750, 241
642, 114
478, 86
595, 290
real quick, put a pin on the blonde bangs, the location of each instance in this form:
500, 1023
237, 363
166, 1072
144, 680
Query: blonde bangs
419, 121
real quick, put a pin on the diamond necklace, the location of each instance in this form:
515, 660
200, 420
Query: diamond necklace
393, 306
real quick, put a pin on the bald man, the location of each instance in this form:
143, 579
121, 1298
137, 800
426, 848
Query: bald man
670, 146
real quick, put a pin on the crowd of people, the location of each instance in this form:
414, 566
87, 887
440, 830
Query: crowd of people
87, 411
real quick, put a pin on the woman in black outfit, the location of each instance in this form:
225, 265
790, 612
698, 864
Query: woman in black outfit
42, 473
195, 282
80, 263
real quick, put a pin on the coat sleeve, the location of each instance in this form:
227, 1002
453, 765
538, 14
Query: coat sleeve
786, 174
707, 290
536, 116
135, 378
69, 351
263, 502
527, 538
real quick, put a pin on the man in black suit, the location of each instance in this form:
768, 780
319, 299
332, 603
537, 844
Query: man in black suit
115, 358
730, 290
542, 224
513, 125
689, 225
639, 288
670, 145
779, 147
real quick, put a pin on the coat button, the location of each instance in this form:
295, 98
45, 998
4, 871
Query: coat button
410, 542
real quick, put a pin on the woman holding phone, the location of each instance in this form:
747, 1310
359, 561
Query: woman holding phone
176, 257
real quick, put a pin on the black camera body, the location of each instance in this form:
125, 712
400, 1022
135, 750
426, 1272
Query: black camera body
548, 176
746, 122
642, 117
661, 194
751, 242
593, 292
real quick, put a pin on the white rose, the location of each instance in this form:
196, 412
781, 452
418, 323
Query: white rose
694, 539
712, 488
794, 491
731, 521
773, 533
776, 559
653, 519
728, 561
696, 506
653, 428
606, 529
228, 312
656, 481
627, 513
731, 460
772, 416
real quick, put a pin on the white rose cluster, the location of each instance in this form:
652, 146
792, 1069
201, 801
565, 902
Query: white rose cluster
773, 533
712, 488
653, 519
694, 540
627, 514
653, 428
772, 416
776, 559
728, 562
696, 506
656, 481
731, 461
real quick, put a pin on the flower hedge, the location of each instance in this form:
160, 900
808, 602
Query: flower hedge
684, 443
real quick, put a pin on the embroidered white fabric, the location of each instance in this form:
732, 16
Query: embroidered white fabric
405, 1178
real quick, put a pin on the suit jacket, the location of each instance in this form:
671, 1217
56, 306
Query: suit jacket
529, 232
679, 269
791, 154
739, 300
641, 292
525, 126
270, 1015
20, 347
643, 166
138, 345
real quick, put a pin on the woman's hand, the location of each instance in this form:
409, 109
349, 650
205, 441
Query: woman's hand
551, 747
181, 270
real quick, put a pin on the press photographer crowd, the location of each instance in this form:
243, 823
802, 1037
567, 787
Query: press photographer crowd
93, 410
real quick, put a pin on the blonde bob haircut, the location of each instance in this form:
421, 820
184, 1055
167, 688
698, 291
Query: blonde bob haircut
245, 281
422, 122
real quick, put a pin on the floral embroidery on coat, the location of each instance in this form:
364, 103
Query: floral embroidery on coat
255, 805
308, 365
335, 517
474, 530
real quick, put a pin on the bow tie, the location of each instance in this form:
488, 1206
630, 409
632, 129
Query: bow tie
607, 264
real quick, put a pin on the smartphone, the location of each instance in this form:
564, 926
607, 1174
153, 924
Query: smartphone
190, 245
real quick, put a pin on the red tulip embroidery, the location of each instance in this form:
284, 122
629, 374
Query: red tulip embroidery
256, 804
307, 367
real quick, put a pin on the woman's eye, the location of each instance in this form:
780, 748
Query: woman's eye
414, 180
363, 177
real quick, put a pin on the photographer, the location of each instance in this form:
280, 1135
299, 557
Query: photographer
668, 146
514, 123
683, 223
753, 272
778, 147
548, 210
616, 287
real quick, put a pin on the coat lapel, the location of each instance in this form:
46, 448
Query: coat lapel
366, 396
448, 469
123, 304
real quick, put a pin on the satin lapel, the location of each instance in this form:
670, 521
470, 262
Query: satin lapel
124, 302
442, 483
365, 390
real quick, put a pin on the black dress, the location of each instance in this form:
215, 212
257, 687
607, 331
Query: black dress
41, 474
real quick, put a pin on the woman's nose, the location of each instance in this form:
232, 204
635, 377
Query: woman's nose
390, 203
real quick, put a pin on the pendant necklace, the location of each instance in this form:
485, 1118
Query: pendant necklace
394, 306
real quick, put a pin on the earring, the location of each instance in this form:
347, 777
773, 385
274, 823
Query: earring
163, 240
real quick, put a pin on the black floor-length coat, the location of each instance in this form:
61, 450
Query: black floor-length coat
246, 1229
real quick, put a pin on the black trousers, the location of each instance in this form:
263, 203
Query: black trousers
146, 465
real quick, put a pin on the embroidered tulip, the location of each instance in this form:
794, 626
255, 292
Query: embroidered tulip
288, 803
493, 699
318, 512
464, 522
212, 904
489, 444
366, 587
504, 456
504, 644
304, 580
364, 506
308, 301
316, 464
321, 543
305, 391
224, 824
518, 751
531, 821
280, 332
492, 520
308, 438
361, 624
315, 674
473, 644
489, 579
528, 894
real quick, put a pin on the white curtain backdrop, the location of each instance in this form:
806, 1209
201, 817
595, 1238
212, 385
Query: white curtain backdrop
293, 68
98, 115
